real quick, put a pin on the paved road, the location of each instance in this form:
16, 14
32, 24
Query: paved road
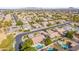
19, 36
14, 17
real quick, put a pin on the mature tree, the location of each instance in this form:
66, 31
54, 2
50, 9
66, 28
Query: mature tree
7, 23
75, 18
49, 24
19, 23
47, 41
0, 24
69, 34
27, 44
30, 49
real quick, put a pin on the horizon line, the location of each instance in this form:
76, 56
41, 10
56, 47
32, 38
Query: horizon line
39, 7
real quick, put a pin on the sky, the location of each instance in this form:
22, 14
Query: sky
39, 3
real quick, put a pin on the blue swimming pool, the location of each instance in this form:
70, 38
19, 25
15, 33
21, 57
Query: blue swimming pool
39, 46
50, 49
64, 46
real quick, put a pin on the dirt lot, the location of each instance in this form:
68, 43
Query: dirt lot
2, 35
